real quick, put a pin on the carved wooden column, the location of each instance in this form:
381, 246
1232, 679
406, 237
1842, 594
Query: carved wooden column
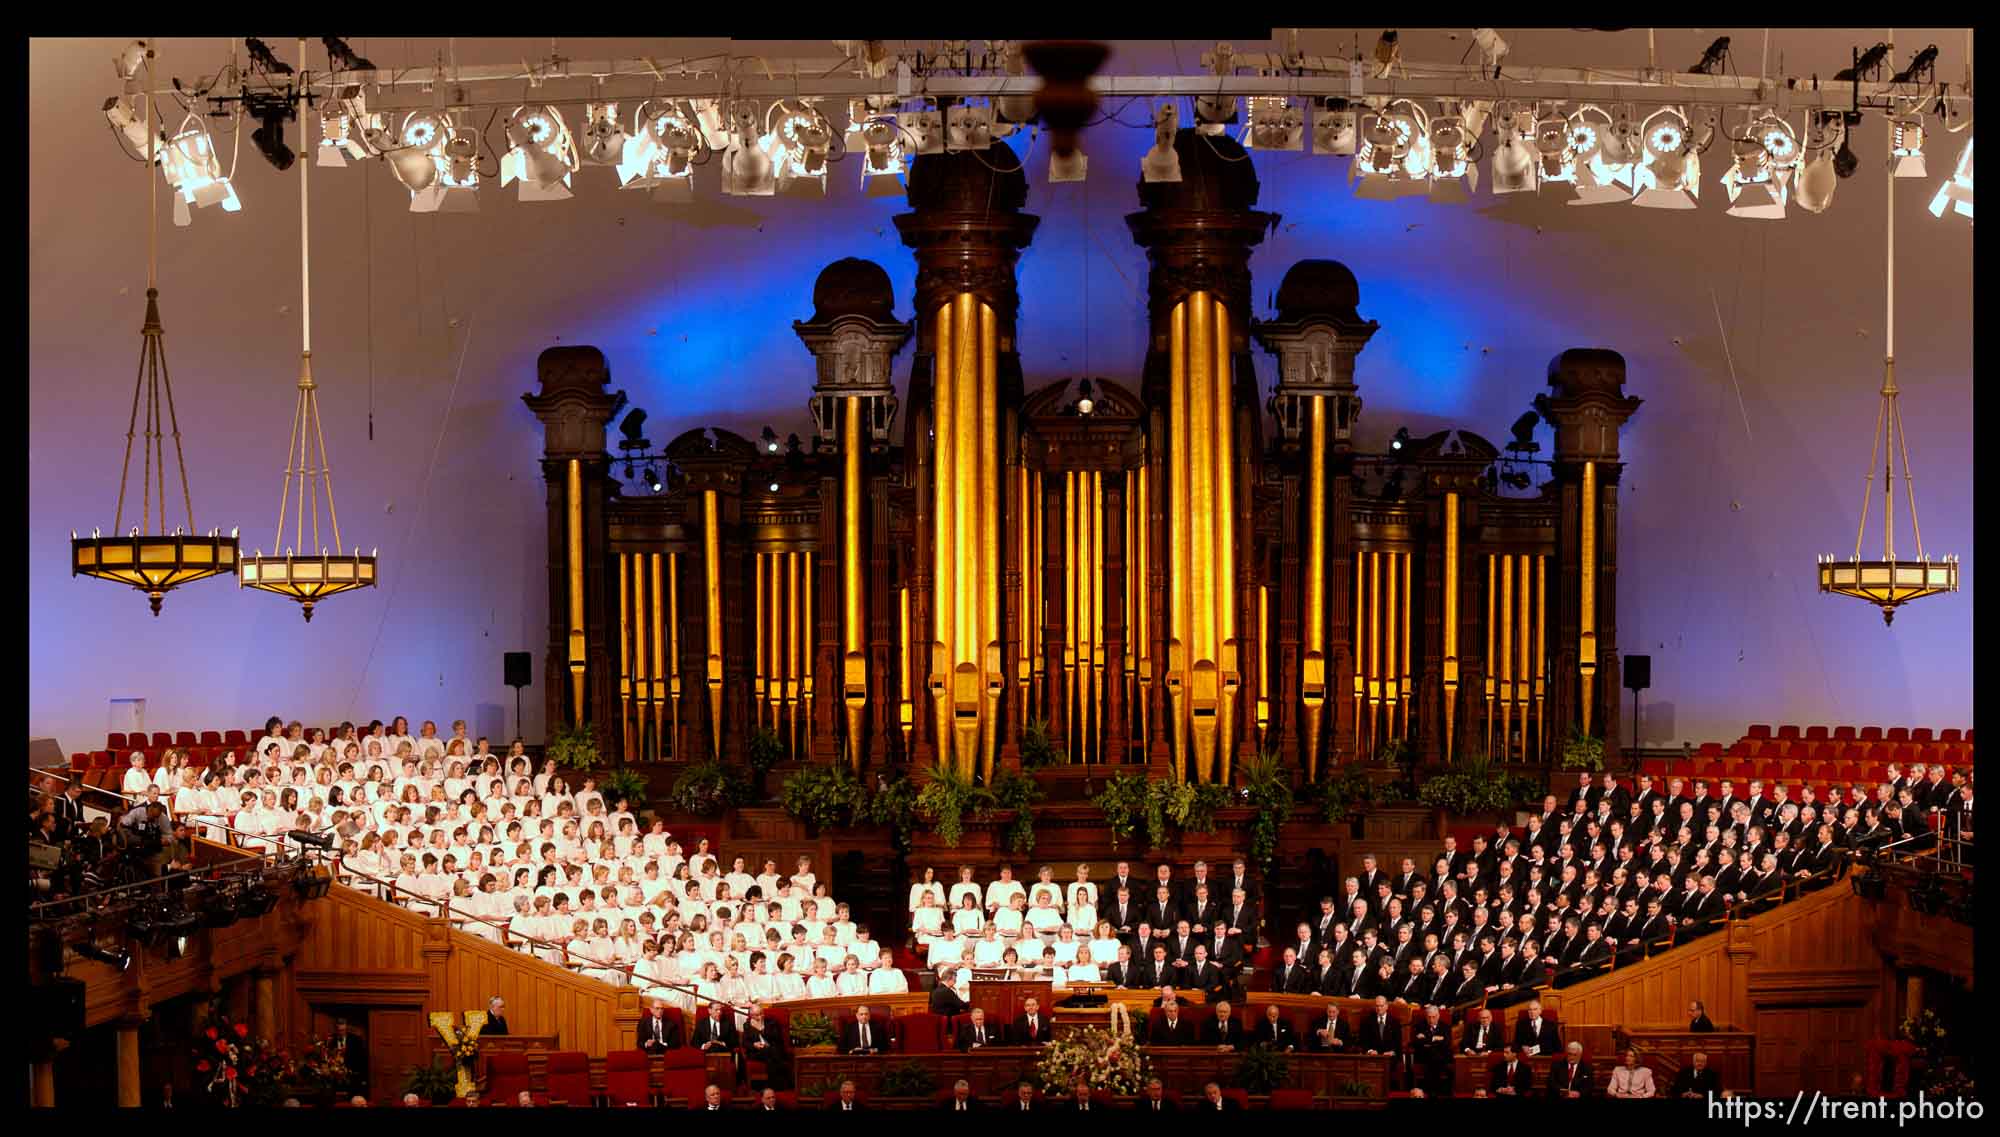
1055, 620
131, 1089
573, 408
714, 609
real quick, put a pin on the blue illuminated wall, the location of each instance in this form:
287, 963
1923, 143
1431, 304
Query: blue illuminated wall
692, 307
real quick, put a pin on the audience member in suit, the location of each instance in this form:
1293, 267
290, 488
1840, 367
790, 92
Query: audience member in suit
1631, 1080
861, 1035
1480, 1036
1161, 911
1023, 1100
1380, 1033
1031, 1026
975, 1033
1512, 1076
1204, 976
1212, 1099
1697, 1080
1430, 1048
1537, 1036
1571, 1077
1172, 1028
1202, 911
716, 1031
1240, 915
1698, 1018
1158, 971
1154, 1099
1223, 1031
1081, 1100
961, 1100
1274, 1030
764, 1041
1289, 977
657, 1032
1122, 971
354, 1048
496, 1019
945, 999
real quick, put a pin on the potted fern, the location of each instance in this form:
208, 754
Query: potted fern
907, 1080
1267, 787
1583, 752
811, 1031
948, 800
436, 1083
1262, 1069
574, 748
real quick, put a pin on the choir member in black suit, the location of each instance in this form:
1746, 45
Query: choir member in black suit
1571, 1077
1171, 1028
1380, 1033
1275, 1030
1512, 1075
1223, 1031
1329, 1033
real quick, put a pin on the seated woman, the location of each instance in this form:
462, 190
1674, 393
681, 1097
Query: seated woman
988, 948
927, 922
968, 919
966, 886
1104, 943
1012, 919
928, 886
1066, 945
1045, 886
1084, 968
790, 984
1044, 918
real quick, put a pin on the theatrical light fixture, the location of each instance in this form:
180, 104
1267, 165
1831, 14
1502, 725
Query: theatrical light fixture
1906, 146
1011, 110
307, 574
604, 137
269, 137
1453, 177
882, 158
337, 137
1084, 403
1754, 189
342, 57
1712, 58
1276, 123
1395, 155
420, 145
659, 154
1888, 583
773, 487
1492, 49
128, 63
747, 168
1555, 155
1603, 149
125, 119
1524, 434
923, 131
1071, 167
1956, 192
1388, 53
797, 148
1214, 114
540, 153
1818, 176
1668, 175
1401, 439
118, 959
192, 167
1162, 163
1514, 152
969, 127
652, 476
149, 556
257, 899
1334, 128
770, 440
457, 188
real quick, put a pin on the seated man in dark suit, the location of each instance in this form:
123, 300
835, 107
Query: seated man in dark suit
1537, 1036
1697, 1080
1430, 1050
1380, 1032
1080, 1099
1122, 972
975, 1034
1204, 976
1571, 1077
1698, 1020
1212, 1099
1481, 1035
716, 1030
961, 1099
1289, 976
1154, 1099
1171, 1028
862, 1036
657, 1032
1223, 1031
1274, 1030
1512, 1075
1329, 1034
1031, 1026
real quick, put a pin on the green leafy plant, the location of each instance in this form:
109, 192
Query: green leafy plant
436, 1083
1261, 1069
907, 1080
1582, 752
1128, 804
893, 805
1037, 749
1019, 793
949, 800
766, 750
1192, 807
1393, 752
1267, 786
823, 797
574, 748
1476, 785
811, 1028
708, 788
1346, 793
1353, 1088
626, 783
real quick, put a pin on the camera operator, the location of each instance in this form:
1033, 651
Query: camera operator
144, 829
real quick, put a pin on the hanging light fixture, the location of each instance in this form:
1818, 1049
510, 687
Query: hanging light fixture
302, 573
193, 168
1514, 149
660, 153
1756, 187
1906, 146
882, 158
1889, 583
1669, 172
1453, 176
540, 154
1162, 163
1395, 156
797, 148
458, 170
747, 169
155, 563
415, 158
1817, 178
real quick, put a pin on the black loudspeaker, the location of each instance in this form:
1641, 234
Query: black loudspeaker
56, 1007
1638, 672
520, 672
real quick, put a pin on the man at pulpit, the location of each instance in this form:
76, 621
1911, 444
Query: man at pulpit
354, 1052
496, 1018
861, 1036
1031, 1026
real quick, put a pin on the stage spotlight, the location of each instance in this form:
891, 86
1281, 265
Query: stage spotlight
218, 908
1401, 439
1333, 128
342, 56
773, 487
1957, 189
312, 882
192, 167
337, 141
118, 959
924, 131
659, 154
653, 479
1554, 155
308, 837
882, 159
968, 127
415, 159
1071, 167
1524, 433
1214, 114
633, 427
129, 62
1817, 177
1395, 156
257, 899
1754, 190
1388, 53
1602, 157
457, 188
1867, 63
1923, 66
1276, 123
1162, 163
1453, 178
269, 138
1514, 156
1084, 403
540, 153
770, 440
262, 60
797, 148
604, 136
1492, 49
1908, 147
126, 120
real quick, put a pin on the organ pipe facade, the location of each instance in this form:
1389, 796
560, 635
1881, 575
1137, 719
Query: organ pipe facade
1175, 572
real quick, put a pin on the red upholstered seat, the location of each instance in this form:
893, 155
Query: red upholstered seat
211, 738
920, 1033
1907, 752
1291, 1099
681, 1057
1878, 752
1853, 752
1240, 1097
1816, 734
1788, 731
1711, 750
1920, 734
162, 740
184, 738
1759, 730
235, 738
1897, 734
115, 740
1949, 734
1844, 734
1657, 767
627, 1078
1871, 734
685, 1082
1824, 752
506, 1075
569, 1076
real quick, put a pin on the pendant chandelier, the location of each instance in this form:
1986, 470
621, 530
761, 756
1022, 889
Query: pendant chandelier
307, 573
1889, 583
154, 562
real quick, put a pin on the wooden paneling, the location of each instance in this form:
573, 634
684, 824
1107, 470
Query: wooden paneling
363, 952
1731, 1053
1184, 1069
398, 1038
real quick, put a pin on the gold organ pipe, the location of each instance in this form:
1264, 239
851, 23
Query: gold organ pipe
1038, 611
1263, 664
1142, 528
1225, 506
795, 655
1507, 654
1201, 444
1450, 621
625, 650
1095, 533
854, 660
779, 622
1072, 574
988, 492
576, 635
647, 652
1541, 650
1180, 631
1374, 644
1360, 651
944, 535
808, 588
1409, 598
673, 657
906, 712
1314, 677
711, 551
1391, 689
1522, 674
761, 614
1023, 646
1587, 602
1492, 664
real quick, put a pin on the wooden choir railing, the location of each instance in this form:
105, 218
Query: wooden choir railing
359, 950
1731, 1053
1183, 1069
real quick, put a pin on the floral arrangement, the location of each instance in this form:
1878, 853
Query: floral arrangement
1096, 1056
465, 1048
239, 1070
321, 1068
